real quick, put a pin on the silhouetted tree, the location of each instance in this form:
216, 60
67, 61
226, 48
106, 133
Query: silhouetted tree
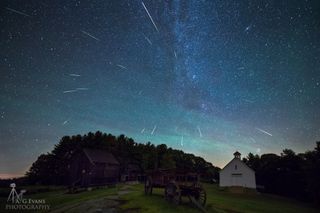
53, 168
290, 174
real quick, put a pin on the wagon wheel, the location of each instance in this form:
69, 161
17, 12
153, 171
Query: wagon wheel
173, 193
201, 196
148, 186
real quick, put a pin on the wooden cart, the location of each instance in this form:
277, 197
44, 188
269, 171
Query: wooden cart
177, 183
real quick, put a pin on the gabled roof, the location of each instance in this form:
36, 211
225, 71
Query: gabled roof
100, 156
240, 162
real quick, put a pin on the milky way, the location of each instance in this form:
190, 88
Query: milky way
207, 77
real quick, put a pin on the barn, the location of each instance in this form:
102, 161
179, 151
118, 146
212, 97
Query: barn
237, 173
132, 172
93, 167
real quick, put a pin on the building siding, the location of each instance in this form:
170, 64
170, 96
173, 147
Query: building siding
237, 173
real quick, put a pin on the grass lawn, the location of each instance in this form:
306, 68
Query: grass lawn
134, 200
59, 198
217, 201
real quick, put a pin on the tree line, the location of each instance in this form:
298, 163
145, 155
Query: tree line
288, 174
52, 168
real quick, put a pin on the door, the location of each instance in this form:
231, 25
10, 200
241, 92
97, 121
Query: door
236, 179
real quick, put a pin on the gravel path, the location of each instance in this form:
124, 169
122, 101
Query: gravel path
108, 204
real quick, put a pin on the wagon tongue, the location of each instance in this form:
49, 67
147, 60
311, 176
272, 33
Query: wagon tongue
193, 200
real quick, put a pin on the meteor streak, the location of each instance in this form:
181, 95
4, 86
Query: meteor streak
154, 24
70, 91
149, 41
16, 11
82, 88
74, 75
154, 129
265, 132
91, 36
121, 66
200, 133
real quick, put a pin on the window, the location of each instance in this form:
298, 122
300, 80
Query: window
235, 167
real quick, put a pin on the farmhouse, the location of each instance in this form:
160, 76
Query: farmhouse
237, 173
93, 167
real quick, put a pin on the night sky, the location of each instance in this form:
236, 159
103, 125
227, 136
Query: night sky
208, 77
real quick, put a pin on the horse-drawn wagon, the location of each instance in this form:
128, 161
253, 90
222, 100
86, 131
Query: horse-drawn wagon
176, 183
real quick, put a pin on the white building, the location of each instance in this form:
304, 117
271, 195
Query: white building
237, 173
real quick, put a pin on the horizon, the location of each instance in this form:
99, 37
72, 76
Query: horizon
221, 165
206, 77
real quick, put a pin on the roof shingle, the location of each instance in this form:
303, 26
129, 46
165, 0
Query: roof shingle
100, 156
